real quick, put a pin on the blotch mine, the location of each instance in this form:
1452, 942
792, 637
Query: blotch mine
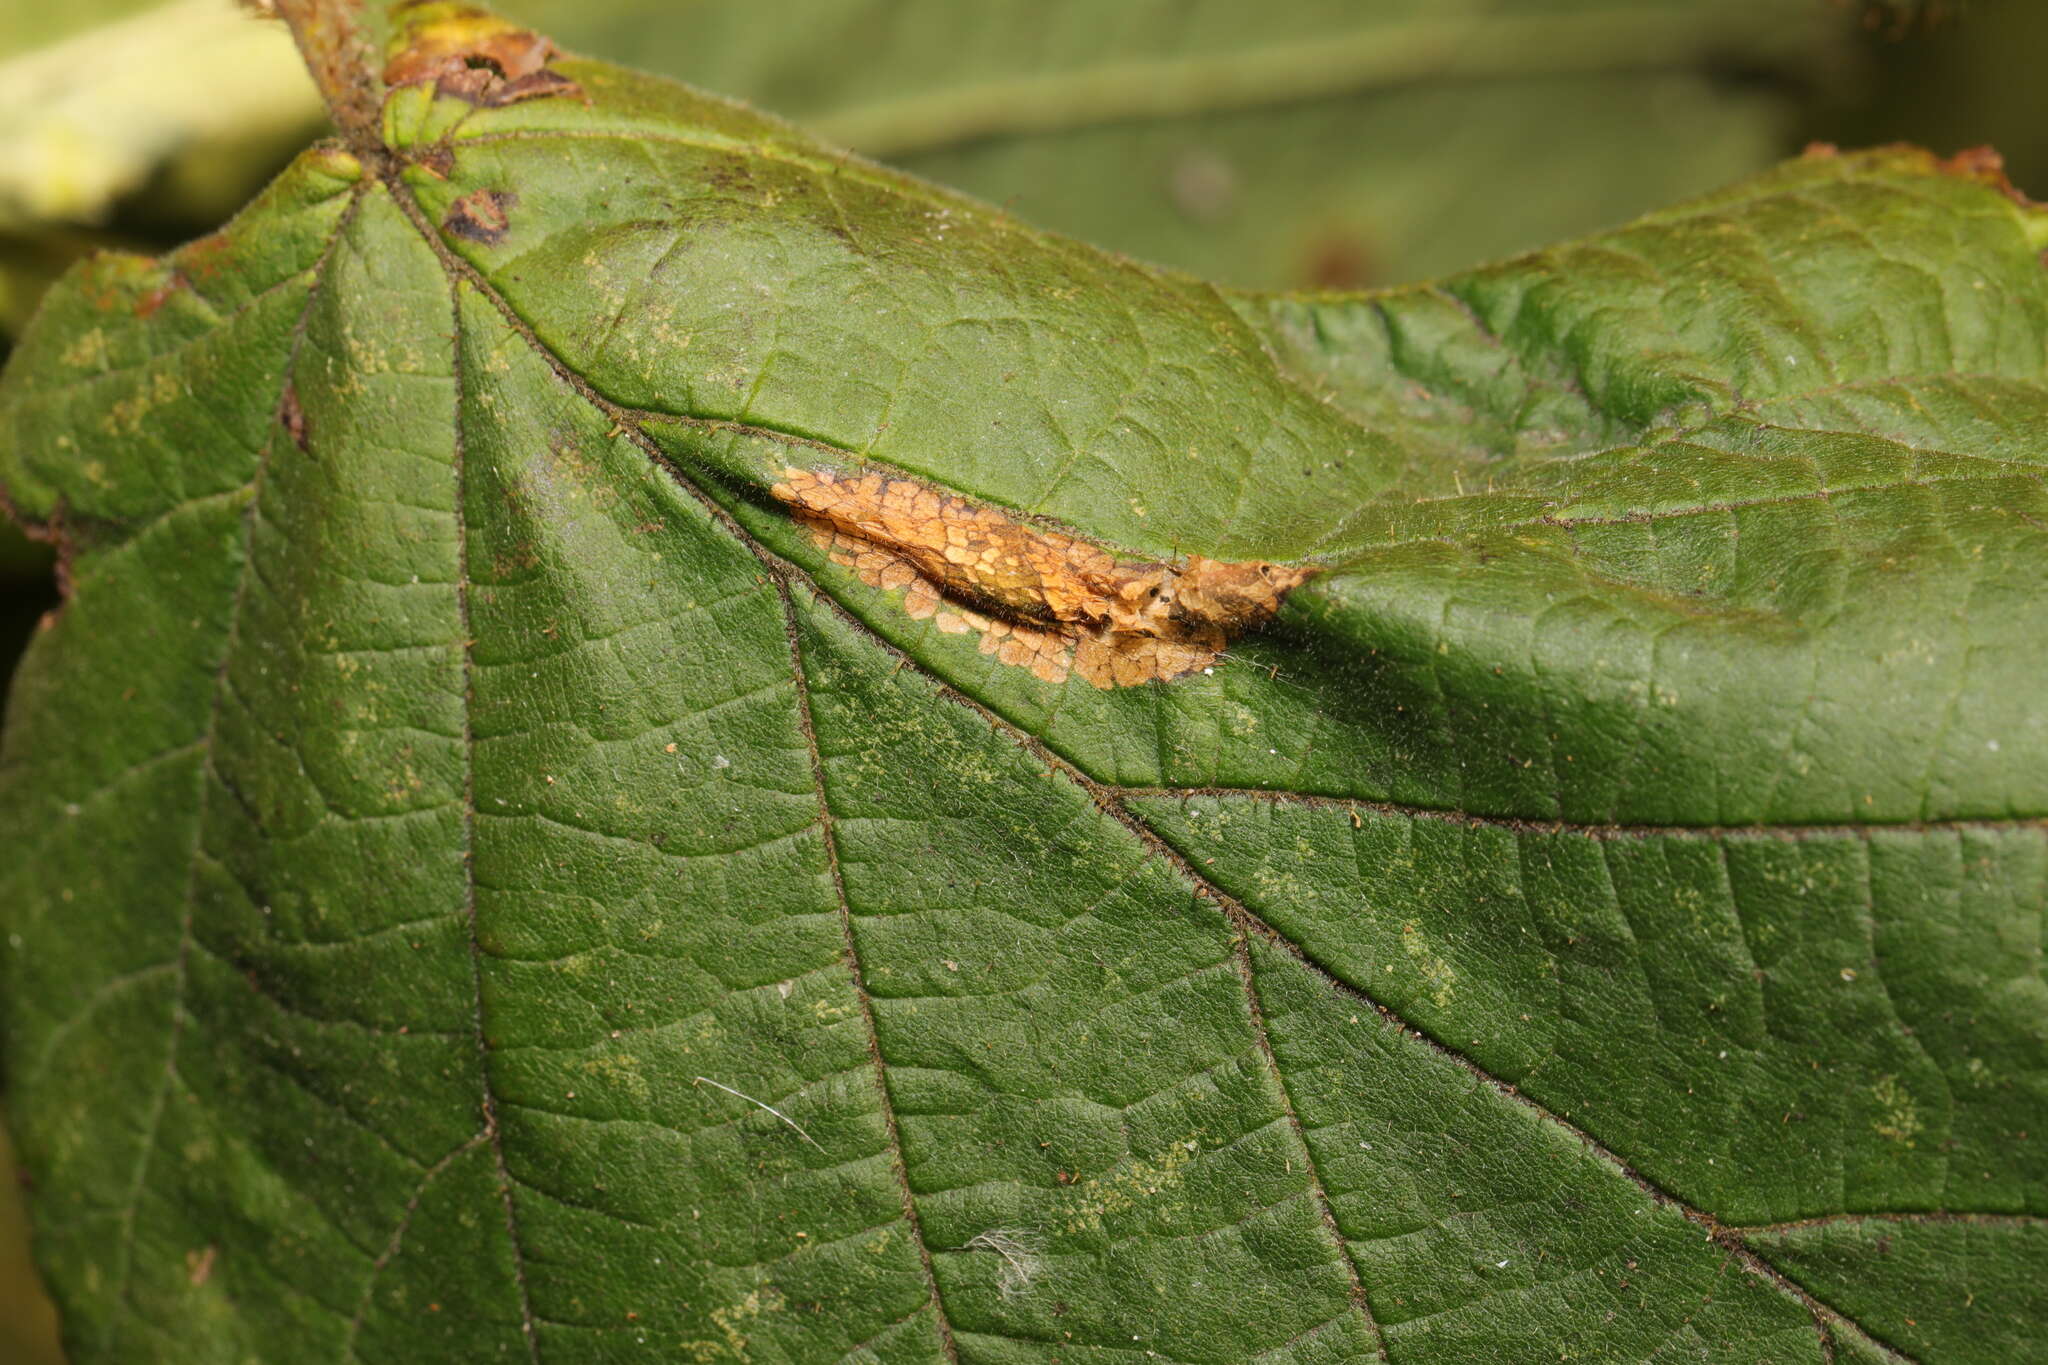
1040, 600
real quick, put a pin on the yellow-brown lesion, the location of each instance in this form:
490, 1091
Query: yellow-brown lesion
1038, 599
472, 54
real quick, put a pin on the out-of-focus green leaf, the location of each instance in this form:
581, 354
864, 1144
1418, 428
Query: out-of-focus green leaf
496, 885
1286, 144
196, 94
174, 113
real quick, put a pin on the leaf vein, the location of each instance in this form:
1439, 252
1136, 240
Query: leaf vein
828, 836
493, 1131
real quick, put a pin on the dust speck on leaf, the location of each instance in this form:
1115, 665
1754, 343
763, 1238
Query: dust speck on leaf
1039, 600
762, 1105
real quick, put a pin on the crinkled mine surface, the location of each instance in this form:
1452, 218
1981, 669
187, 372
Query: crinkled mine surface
668, 745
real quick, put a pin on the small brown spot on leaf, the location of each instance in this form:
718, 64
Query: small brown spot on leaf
147, 305
1039, 600
473, 55
510, 564
199, 1265
481, 216
292, 415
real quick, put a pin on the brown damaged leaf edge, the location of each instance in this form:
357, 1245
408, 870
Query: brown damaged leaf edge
56, 535
1040, 600
472, 55
1983, 164
1987, 167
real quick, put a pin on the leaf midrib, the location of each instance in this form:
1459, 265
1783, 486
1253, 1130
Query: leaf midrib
828, 836
493, 1130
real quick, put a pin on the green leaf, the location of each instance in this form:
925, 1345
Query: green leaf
492, 882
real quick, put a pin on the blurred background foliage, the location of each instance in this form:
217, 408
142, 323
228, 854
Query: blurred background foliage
1287, 144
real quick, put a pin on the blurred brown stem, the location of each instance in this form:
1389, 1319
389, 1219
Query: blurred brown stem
331, 40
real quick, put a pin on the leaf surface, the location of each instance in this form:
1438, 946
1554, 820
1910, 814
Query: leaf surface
497, 884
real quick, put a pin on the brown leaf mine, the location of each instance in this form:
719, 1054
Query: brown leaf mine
1040, 600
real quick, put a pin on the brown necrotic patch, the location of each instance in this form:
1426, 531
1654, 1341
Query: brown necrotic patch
481, 216
472, 55
1038, 599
